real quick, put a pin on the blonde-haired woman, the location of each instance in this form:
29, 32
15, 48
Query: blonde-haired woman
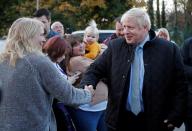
29, 81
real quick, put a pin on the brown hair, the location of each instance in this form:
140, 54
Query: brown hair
73, 40
56, 47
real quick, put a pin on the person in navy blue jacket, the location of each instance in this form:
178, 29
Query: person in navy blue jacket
145, 78
186, 51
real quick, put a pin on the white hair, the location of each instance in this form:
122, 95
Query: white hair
142, 18
55, 23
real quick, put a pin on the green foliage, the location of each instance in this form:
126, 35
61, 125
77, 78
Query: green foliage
75, 14
11, 10
188, 18
179, 21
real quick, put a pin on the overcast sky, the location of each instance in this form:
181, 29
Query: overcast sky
168, 5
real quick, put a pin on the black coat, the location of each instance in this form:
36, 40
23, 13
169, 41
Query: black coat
186, 52
164, 87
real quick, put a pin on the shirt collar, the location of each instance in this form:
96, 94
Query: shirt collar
144, 41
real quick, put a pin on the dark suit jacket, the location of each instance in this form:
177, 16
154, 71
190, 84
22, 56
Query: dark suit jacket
164, 87
186, 52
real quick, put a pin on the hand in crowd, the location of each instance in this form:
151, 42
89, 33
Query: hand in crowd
169, 125
72, 79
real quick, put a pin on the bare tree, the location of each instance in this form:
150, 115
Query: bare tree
151, 12
158, 19
163, 15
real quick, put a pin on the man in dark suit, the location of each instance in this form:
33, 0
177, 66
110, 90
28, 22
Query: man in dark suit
186, 51
145, 76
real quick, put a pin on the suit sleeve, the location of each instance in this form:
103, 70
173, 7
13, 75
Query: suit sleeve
178, 112
186, 52
99, 69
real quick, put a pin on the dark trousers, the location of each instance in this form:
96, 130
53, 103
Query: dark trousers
188, 125
130, 122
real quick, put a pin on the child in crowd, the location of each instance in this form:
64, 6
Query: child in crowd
91, 37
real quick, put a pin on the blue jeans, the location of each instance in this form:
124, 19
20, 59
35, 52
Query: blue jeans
87, 120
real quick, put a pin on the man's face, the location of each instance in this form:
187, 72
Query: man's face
46, 23
133, 32
119, 29
58, 27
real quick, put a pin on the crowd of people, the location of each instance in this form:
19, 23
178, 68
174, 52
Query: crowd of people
137, 79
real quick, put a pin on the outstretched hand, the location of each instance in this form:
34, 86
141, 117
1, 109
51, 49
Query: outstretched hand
72, 79
169, 125
90, 89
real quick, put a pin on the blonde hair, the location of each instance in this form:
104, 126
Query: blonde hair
20, 40
141, 17
92, 28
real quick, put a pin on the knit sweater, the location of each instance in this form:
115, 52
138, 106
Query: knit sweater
28, 90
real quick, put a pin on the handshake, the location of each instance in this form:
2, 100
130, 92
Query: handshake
99, 94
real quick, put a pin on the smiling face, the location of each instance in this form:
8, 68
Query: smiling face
58, 27
136, 25
39, 38
78, 49
133, 32
119, 29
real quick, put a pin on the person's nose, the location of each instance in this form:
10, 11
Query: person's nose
126, 31
88, 38
43, 40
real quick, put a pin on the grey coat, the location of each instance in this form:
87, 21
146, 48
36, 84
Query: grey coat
28, 90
